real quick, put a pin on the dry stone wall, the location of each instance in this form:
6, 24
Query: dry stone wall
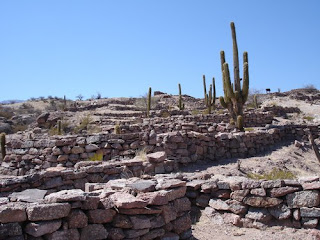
258, 204
122, 209
183, 147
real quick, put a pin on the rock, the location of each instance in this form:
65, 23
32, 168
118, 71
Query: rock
203, 200
311, 185
168, 213
182, 204
101, 215
37, 229
153, 234
77, 150
139, 211
154, 198
77, 219
194, 184
66, 196
262, 201
93, 232
310, 212
116, 234
13, 212
272, 184
170, 236
169, 183
175, 193
236, 207
282, 191
42, 118
280, 212
258, 214
156, 157
231, 218
122, 221
182, 224
140, 222
126, 200
309, 222
258, 192
303, 199
239, 195
143, 185
28, 195
8, 230
135, 233
218, 204
91, 148
48, 211
70, 234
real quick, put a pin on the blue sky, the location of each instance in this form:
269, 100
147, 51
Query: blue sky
121, 47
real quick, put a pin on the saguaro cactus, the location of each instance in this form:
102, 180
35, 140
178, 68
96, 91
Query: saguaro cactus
210, 98
59, 127
235, 96
180, 105
149, 102
3, 144
205, 89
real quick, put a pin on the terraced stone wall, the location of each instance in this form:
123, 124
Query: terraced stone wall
183, 147
258, 204
129, 209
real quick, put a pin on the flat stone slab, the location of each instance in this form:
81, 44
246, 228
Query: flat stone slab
309, 198
29, 195
66, 196
143, 185
310, 212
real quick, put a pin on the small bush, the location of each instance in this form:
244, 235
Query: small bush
249, 129
308, 118
117, 129
142, 153
19, 127
195, 112
273, 175
165, 114
310, 87
96, 157
6, 112
84, 123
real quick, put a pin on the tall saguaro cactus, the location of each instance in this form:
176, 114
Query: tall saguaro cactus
235, 96
210, 98
3, 144
181, 104
149, 102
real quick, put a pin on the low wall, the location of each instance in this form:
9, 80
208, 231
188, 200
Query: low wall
250, 203
127, 209
184, 146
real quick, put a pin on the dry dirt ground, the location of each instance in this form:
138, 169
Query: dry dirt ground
204, 229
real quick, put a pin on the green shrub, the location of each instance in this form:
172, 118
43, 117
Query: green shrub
308, 118
96, 157
84, 123
273, 175
249, 129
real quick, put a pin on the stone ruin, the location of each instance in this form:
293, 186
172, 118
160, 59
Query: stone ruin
50, 191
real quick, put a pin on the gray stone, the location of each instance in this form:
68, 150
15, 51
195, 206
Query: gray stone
309, 222
153, 234
258, 214
262, 201
140, 222
94, 232
101, 215
303, 199
70, 234
280, 212
143, 185
37, 229
48, 211
310, 212
13, 212
156, 157
9, 230
66, 196
126, 200
77, 219
28, 195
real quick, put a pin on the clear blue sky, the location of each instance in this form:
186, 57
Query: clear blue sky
121, 47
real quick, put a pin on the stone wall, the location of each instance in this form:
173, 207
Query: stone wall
251, 203
122, 209
184, 146
60, 178
281, 111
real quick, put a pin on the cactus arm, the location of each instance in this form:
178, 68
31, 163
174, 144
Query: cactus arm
214, 92
235, 58
3, 145
245, 57
222, 102
149, 102
204, 89
228, 85
245, 84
